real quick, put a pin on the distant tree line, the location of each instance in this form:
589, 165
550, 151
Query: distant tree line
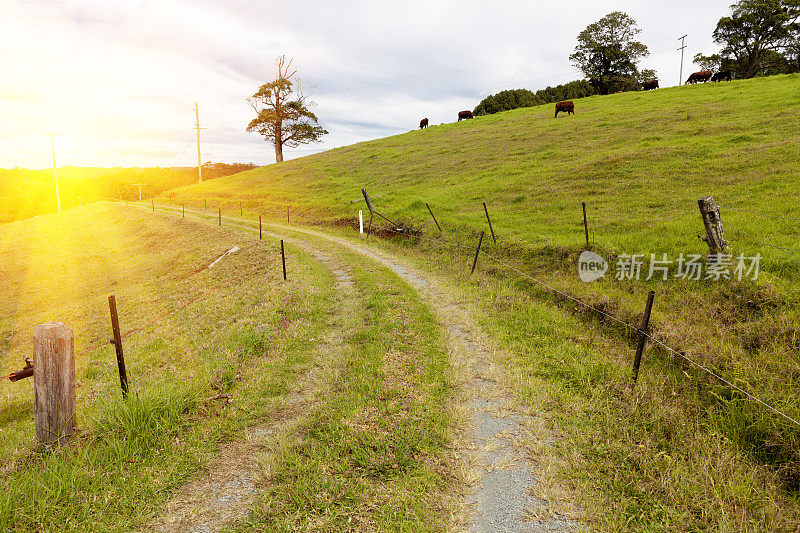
25, 193
512, 99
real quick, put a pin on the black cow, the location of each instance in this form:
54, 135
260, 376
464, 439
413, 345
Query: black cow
725, 75
699, 77
423, 123
568, 107
464, 115
649, 85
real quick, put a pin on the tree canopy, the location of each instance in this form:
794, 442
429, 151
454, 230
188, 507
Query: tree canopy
512, 99
283, 115
760, 37
607, 53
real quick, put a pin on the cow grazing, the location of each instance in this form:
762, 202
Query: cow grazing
649, 85
698, 77
725, 75
423, 123
464, 115
568, 107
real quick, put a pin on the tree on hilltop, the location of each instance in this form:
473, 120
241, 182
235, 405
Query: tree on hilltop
607, 53
283, 117
759, 37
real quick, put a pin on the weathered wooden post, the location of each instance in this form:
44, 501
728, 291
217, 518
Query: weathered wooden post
287, 214
259, 227
241, 209
183, 210
360, 222
219, 215
53, 383
715, 236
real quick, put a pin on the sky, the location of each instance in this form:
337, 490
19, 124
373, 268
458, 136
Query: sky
117, 81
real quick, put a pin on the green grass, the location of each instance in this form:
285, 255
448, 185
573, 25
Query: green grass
374, 448
375, 455
250, 338
640, 161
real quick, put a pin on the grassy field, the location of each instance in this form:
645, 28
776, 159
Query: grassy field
248, 338
374, 447
701, 453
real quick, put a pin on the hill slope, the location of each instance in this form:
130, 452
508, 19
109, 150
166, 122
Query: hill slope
640, 161
641, 150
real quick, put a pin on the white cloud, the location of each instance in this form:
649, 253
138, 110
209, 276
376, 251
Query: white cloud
118, 77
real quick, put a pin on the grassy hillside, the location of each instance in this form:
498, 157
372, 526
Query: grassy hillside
249, 339
640, 161
305, 388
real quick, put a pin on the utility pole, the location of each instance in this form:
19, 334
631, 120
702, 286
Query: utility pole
198, 128
55, 169
682, 48
140, 189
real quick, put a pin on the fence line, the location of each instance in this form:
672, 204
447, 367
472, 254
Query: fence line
759, 214
164, 315
628, 327
787, 250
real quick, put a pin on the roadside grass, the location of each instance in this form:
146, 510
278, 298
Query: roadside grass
377, 452
678, 451
375, 455
640, 161
249, 339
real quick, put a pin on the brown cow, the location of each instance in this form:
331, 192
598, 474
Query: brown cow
464, 115
568, 107
423, 123
697, 77
726, 75
649, 85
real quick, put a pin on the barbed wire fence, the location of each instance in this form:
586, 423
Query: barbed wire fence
629, 328
642, 222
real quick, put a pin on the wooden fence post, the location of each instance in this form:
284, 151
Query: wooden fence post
183, 210
715, 236
642, 335
490, 222
241, 209
117, 342
259, 227
475, 262
287, 214
54, 383
219, 214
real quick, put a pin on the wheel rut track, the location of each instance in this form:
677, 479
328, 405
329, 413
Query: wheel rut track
226, 492
503, 493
